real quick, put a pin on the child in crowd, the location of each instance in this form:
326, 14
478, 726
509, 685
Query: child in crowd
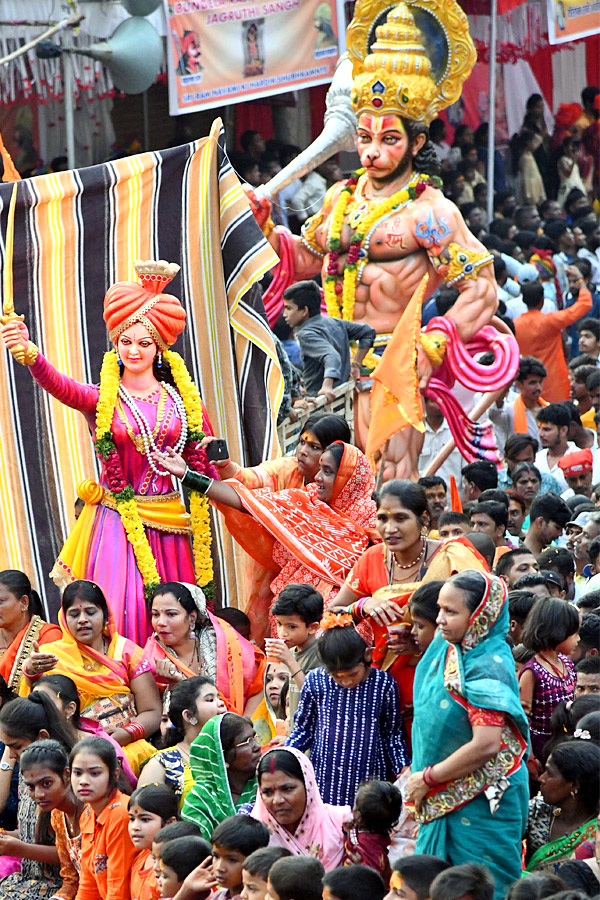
255, 872
520, 604
232, 843
107, 853
453, 525
353, 883
376, 810
297, 611
233, 840
270, 714
46, 775
424, 611
178, 861
469, 880
412, 877
551, 631
296, 878
172, 832
347, 690
150, 808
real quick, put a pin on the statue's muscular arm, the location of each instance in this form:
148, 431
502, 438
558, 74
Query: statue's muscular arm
307, 264
478, 300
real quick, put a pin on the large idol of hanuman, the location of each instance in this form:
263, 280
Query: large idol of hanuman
381, 230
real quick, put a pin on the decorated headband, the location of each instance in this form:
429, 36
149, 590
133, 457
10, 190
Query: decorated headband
410, 60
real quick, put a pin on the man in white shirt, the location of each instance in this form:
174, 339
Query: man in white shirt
437, 434
553, 425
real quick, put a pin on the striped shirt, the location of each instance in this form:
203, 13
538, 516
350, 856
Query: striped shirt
353, 734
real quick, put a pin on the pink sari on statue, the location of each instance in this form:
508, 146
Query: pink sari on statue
99, 550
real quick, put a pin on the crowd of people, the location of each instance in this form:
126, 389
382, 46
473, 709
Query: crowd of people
409, 707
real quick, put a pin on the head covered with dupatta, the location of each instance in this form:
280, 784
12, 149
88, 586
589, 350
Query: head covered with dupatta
479, 671
353, 486
210, 800
319, 832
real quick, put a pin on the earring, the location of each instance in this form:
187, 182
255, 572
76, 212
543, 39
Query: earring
105, 630
193, 720
119, 360
424, 531
573, 794
226, 765
192, 631
159, 360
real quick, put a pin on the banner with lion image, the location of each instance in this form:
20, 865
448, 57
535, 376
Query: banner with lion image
224, 51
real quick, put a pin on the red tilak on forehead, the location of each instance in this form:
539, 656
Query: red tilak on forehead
271, 765
377, 124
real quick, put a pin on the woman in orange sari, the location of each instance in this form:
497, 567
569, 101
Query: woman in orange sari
319, 430
21, 624
113, 676
383, 580
312, 536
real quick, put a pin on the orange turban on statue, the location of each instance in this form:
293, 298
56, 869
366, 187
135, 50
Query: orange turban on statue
128, 302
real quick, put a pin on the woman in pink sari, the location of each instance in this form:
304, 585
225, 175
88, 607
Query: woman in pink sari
307, 826
187, 640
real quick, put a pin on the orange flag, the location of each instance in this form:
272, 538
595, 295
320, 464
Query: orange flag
455, 501
395, 398
10, 172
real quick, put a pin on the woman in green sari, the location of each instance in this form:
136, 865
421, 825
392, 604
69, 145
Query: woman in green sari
566, 814
223, 760
470, 735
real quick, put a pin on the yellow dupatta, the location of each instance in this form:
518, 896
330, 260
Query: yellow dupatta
95, 674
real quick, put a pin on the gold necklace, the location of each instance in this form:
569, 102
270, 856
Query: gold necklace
137, 439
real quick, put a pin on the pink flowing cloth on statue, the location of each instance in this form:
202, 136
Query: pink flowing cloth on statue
111, 562
474, 440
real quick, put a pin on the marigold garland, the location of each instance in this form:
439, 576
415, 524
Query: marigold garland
123, 492
356, 251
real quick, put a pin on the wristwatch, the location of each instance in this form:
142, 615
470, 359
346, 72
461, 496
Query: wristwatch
6, 767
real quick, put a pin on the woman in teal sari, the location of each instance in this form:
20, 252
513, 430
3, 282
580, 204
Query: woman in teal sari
470, 735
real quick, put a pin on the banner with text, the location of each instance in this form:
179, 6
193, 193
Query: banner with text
227, 51
572, 19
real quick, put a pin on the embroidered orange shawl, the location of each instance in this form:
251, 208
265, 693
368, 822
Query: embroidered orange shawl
19, 648
300, 538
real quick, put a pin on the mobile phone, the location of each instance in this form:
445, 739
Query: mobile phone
217, 450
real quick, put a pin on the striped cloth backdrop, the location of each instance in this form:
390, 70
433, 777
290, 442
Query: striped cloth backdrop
80, 231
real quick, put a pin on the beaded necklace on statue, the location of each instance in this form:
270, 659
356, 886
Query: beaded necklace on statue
136, 439
147, 435
364, 219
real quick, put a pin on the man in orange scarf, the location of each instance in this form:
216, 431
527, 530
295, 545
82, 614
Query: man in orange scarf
520, 417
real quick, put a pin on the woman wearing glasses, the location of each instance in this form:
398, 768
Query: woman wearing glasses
223, 760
